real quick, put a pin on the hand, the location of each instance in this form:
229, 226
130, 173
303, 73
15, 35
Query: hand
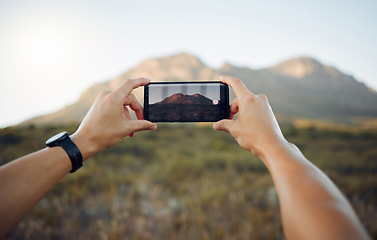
256, 128
109, 121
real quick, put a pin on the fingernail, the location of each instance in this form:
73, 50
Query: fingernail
216, 126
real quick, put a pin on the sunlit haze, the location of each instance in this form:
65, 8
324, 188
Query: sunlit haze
51, 51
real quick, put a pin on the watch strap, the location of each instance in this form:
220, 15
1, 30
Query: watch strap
74, 154
64, 141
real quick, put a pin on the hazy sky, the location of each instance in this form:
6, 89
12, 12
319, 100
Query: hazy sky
51, 51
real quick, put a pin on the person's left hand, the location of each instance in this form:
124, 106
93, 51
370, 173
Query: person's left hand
109, 121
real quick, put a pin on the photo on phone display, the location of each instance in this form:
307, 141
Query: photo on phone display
186, 101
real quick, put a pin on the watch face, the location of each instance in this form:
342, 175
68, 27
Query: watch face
56, 137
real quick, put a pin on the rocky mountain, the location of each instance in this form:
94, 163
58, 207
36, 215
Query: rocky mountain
180, 98
297, 88
303, 87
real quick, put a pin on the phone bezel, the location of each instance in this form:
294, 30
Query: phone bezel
224, 97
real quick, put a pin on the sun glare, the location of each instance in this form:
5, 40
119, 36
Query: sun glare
41, 47
40, 51
43, 50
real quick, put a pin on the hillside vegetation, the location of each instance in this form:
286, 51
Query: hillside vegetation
186, 181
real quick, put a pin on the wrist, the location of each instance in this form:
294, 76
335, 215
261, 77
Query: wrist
274, 151
87, 149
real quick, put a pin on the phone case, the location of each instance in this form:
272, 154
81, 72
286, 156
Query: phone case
194, 101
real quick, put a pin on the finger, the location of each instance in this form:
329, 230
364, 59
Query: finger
127, 86
135, 105
140, 125
236, 84
262, 96
223, 125
127, 113
234, 108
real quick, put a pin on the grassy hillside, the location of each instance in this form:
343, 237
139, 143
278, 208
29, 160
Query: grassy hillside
186, 182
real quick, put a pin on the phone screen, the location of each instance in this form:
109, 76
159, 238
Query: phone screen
186, 101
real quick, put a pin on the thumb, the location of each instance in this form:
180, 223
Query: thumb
223, 125
140, 125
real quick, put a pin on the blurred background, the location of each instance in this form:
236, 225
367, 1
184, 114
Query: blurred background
315, 60
74, 44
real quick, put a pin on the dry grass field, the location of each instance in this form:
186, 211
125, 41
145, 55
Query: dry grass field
186, 181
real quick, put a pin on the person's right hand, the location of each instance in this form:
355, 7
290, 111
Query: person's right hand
255, 128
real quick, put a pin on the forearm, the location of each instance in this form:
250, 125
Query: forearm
311, 205
26, 180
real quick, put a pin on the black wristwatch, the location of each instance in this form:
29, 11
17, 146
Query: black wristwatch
63, 140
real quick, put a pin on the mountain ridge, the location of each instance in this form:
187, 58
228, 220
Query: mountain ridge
297, 88
180, 98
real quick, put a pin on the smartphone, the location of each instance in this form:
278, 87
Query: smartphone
201, 101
